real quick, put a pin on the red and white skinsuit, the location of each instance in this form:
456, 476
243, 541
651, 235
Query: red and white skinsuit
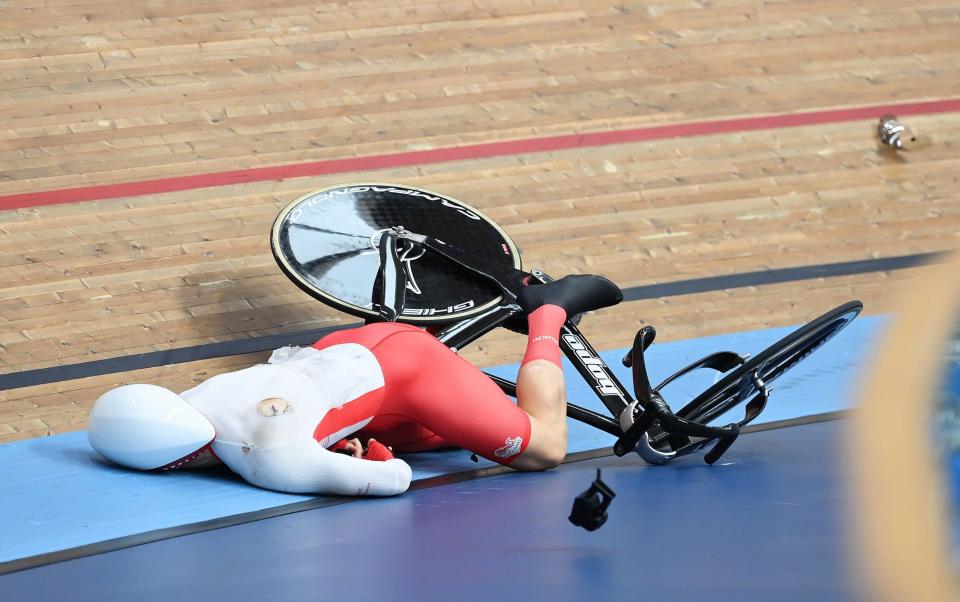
390, 381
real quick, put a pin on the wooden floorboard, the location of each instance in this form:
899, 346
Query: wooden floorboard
99, 93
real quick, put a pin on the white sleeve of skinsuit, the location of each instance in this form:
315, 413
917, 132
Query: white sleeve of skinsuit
304, 466
278, 451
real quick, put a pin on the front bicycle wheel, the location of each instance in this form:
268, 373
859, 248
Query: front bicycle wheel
326, 243
769, 364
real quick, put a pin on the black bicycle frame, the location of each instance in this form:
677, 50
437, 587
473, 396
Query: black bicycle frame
632, 433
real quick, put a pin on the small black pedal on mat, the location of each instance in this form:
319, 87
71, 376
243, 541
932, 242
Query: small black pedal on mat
590, 507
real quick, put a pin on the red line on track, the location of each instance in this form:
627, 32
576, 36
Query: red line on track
473, 151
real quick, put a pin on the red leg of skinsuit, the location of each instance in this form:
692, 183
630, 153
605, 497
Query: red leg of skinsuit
433, 397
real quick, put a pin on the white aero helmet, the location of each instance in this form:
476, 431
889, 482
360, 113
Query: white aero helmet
148, 427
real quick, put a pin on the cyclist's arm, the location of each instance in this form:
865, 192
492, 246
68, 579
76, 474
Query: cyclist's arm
304, 466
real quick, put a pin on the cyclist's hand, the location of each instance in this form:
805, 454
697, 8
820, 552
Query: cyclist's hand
378, 451
350, 447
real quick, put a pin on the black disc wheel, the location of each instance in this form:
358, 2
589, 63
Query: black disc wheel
326, 242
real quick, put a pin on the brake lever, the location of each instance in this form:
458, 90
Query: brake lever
635, 436
644, 338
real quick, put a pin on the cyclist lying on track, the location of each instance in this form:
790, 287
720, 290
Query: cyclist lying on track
278, 425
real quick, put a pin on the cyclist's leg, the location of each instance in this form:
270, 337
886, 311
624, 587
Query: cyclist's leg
455, 403
430, 385
540, 387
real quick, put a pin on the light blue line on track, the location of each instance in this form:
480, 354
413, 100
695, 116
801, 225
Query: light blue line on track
56, 493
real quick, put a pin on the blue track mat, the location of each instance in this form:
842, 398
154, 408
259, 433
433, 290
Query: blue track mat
55, 493
769, 526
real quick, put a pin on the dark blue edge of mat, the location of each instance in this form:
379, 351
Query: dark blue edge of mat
167, 357
130, 541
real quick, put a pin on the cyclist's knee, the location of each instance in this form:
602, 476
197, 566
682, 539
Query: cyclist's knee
553, 456
540, 459
547, 448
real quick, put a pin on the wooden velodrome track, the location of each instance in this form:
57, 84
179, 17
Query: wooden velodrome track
132, 98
